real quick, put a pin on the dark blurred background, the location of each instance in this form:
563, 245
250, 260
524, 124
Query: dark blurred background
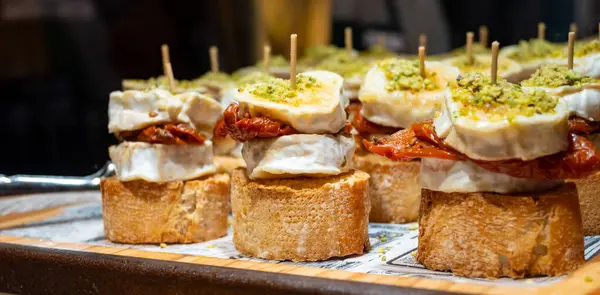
59, 59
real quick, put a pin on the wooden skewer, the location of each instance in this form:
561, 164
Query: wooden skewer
348, 39
293, 44
167, 69
214, 59
266, 57
422, 61
164, 50
573, 28
571, 46
469, 47
483, 36
380, 40
598, 30
170, 76
495, 46
541, 31
423, 40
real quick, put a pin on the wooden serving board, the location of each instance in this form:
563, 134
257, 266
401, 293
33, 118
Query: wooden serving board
40, 266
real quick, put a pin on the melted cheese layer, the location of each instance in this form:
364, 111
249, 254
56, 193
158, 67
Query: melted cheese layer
160, 163
401, 109
583, 101
465, 177
524, 138
134, 110
322, 111
298, 155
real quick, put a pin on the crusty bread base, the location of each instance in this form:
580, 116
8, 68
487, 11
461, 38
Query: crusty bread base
137, 212
226, 164
492, 235
394, 188
589, 200
300, 219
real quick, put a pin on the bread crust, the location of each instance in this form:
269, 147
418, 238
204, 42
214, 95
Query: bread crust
589, 201
492, 235
300, 219
226, 164
138, 212
394, 188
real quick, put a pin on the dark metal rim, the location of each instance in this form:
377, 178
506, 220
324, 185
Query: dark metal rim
37, 270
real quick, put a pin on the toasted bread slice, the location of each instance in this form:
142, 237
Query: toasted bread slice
394, 188
492, 235
137, 212
300, 219
589, 200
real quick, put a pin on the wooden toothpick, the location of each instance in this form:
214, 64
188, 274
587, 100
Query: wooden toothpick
495, 46
266, 57
571, 46
541, 31
423, 40
293, 45
167, 69
422, 61
469, 47
483, 36
348, 39
169, 73
214, 59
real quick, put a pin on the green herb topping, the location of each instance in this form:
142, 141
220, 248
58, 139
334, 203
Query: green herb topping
590, 47
556, 76
476, 48
404, 75
501, 101
535, 48
279, 90
479, 64
274, 61
345, 65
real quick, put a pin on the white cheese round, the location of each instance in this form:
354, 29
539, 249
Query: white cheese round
321, 111
524, 138
401, 109
160, 162
512, 70
134, 110
466, 177
583, 101
298, 155
589, 65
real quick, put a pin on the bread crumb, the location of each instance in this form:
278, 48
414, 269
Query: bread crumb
210, 245
588, 279
413, 227
163, 245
